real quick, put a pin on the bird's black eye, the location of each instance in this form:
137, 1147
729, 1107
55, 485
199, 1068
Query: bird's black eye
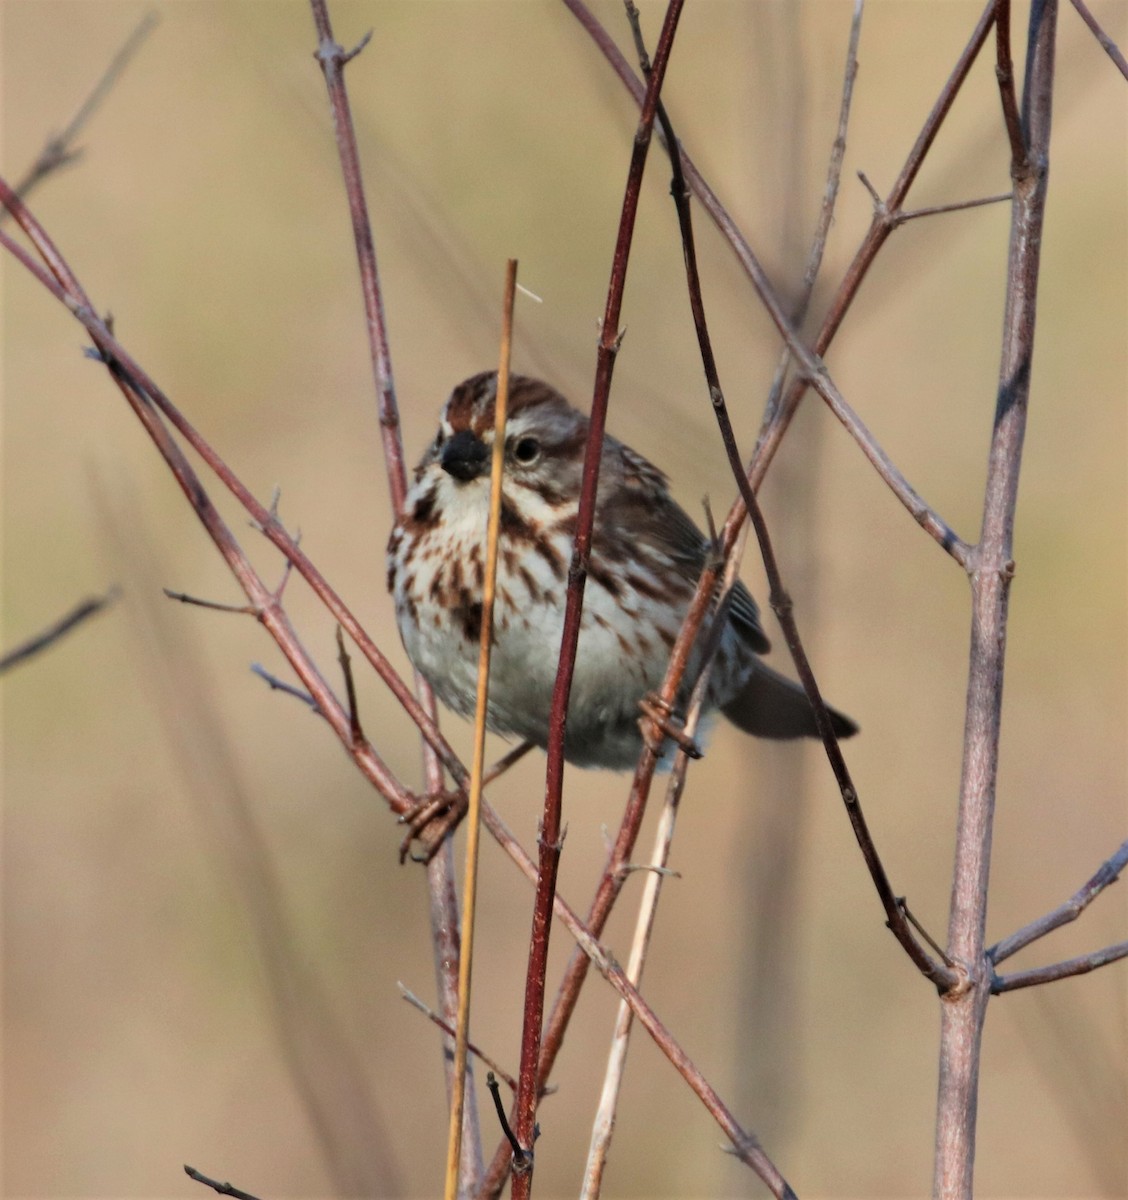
526, 450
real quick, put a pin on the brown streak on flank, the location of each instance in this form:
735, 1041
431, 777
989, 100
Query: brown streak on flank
606, 580
468, 613
551, 556
530, 582
478, 571
645, 587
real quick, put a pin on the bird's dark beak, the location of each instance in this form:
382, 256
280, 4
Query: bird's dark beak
465, 456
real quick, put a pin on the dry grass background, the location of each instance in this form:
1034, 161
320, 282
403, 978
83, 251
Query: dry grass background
207, 215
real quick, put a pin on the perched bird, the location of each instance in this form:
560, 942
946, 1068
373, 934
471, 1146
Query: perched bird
647, 556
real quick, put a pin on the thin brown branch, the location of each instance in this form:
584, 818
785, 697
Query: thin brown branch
834, 169
936, 210
1062, 970
812, 371
1107, 44
59, 150
350, 688
46, 638
780, 600
963, 1016
66, 288
443, 903
1106, 875
550, 835
332, 59
448, 1029
744, 1144
144, 397
1004, 73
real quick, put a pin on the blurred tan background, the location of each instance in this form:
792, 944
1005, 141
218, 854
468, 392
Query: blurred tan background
207, 214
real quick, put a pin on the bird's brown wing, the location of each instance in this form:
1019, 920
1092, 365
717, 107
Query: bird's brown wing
652, 516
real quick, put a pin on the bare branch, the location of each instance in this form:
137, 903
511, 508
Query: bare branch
224, 1189
1062, 970
81, 612
962, 1018
448, 1029
1106, 875
1004, 73
332, 59
59, 149
780, 600
1107, 44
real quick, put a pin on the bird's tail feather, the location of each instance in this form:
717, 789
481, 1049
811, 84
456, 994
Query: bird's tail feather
771, 706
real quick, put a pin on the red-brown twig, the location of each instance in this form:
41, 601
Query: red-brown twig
1004, 73
744, 1144
332, 59
65, 287
992, 566
550, 833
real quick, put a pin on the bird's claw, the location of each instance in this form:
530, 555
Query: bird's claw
657, 712
433, 817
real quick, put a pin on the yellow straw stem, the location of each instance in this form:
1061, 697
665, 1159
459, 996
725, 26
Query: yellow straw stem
469, 901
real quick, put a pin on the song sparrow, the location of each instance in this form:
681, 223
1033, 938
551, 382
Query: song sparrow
646, 558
